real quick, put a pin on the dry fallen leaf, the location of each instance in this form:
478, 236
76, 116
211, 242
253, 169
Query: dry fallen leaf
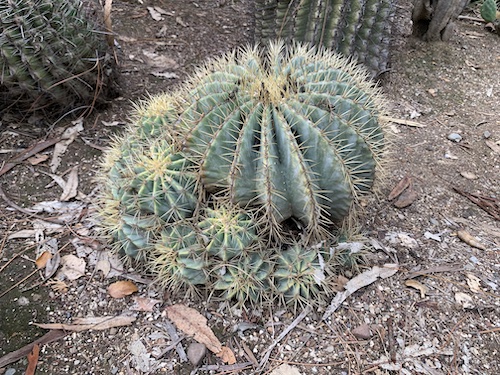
67, 138
32, 360
42, 260
144, 303
72, 266
37, 159
122, 288
474, 283
70, 189
470, 240
95, 323
465, 300
417, 285
192, 323
494, 146
399, 188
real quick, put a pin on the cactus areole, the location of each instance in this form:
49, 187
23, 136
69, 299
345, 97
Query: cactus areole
295, 131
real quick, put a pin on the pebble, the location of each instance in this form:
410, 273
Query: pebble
196, 352
486, 134
10, 371
455, 137
362, 332
23, 301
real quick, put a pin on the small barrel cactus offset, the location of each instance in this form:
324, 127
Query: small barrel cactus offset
246, 278
179, 259
294, 134
146, 187
357, 28
53, 53
227, 233
300, 276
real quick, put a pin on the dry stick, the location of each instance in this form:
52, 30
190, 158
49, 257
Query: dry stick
28, 153
51, 336
402, 122
174, 336
297, 320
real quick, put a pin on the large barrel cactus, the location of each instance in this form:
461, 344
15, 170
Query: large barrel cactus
53, 53
356, 28
295, 133
228, 181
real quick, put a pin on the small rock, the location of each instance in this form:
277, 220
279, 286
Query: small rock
23, 301
285, 369
10, 371
486, 134
455, 137
196, 352
362, 332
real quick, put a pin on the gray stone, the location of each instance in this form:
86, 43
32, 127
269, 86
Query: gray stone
196, 352
362, 332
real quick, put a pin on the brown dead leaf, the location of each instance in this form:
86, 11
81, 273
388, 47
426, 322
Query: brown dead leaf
70, 189
339, 283
72, 266
144, 303
227, 356
406, 198
399, 188
37, 159
417, 285
192, 323
122, 288
32, 360
95, 323
42, 260
470, 240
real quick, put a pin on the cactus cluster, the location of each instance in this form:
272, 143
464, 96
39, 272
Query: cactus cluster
53, 53
227, 182
356, 28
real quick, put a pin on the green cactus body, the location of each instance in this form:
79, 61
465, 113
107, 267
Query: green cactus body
146, 187
227, 233
489, 10
355, 28
246, 278
51, 54
296, 133
178, 258
298, 276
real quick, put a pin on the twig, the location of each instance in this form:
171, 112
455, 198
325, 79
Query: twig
52, 335
28, 153
402, 122
297, 320
174, 336
469, 18
226, 368
391, 340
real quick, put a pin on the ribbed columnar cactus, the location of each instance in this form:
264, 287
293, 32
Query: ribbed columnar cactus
294, 133
356, 28
52, 53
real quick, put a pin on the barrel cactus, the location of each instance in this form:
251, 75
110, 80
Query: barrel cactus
356, 28
53, 53
294, 134
229, 181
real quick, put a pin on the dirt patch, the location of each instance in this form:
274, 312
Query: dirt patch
453, 89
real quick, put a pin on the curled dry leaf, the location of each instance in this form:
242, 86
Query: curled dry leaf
406, 198
474, 283
470, 240
122, 288
417, 285
399, 188
42, 260
192, 323
465, 300
72, 266
144, 303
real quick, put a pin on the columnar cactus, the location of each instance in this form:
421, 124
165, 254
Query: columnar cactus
227, 182
356, 28
52, 53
